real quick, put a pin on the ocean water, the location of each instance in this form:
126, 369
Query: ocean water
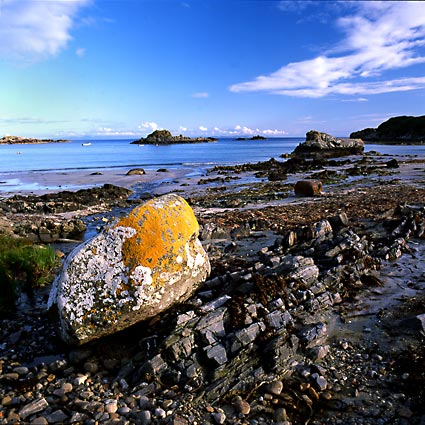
102, 154
30, 160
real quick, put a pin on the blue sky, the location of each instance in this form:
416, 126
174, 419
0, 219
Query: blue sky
123, 68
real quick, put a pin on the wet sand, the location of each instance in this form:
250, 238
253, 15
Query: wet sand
38, 183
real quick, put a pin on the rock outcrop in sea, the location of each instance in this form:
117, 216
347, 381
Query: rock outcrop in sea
322, 145
139, 266
11, 140
164, 137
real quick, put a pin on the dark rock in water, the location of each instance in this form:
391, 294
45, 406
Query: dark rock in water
136, 172
308, 188
393, 163
402, 129
323, 145
162, 170
164, 137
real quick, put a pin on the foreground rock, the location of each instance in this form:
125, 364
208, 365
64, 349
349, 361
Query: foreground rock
322, 145
164, 137
46, 218
139, 266
403, 129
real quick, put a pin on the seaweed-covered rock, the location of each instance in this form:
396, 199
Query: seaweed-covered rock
322, 145
139, 266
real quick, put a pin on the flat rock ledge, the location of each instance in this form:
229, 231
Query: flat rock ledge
139, 266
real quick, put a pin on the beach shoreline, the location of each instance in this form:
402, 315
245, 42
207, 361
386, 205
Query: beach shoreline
42, 182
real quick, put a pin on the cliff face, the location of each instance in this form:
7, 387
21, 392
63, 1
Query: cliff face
403, 129
164, 137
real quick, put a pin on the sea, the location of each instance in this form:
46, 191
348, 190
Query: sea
98, 155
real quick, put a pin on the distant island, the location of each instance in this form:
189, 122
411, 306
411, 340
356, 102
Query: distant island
397, 130
17, 140
257, 137
164, 137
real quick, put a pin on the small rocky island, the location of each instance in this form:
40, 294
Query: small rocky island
17, 140
397, 130
164, 137
257, 137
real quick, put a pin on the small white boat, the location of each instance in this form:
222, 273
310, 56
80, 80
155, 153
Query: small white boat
86, 144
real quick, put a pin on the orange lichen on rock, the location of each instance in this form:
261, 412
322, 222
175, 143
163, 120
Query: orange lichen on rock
163, 228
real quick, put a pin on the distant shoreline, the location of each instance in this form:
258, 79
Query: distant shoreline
17, 140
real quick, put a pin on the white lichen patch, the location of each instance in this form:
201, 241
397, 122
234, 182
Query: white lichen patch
94, 271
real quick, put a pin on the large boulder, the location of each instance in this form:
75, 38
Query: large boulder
322, 145
139, 266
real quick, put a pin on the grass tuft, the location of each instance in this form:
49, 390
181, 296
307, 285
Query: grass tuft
23, 266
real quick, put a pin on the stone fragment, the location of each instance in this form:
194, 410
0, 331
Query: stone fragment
217, 353
57, 417
33, 407
140, 265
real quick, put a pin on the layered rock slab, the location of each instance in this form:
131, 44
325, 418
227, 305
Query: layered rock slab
319, 145
140, 265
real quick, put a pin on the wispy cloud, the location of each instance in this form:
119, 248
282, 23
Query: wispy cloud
202, 128
34, 30
111, 132
379, 37
200, 95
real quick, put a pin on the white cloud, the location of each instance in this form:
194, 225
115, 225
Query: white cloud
381, 36
182, 129
239, 130
202, 128
149, 125
34, 30
200, 95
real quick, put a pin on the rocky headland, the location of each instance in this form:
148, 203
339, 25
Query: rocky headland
17, 140
164, 137
396, 130
312, 311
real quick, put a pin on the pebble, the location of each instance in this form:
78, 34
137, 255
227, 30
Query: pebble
145, 417
219, 417
241, 406
111, 406
275, 387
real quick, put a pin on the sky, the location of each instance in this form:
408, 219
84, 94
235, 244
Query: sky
224, 68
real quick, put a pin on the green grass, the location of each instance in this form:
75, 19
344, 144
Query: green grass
23, 266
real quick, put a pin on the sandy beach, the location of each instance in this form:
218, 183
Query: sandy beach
41, 182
